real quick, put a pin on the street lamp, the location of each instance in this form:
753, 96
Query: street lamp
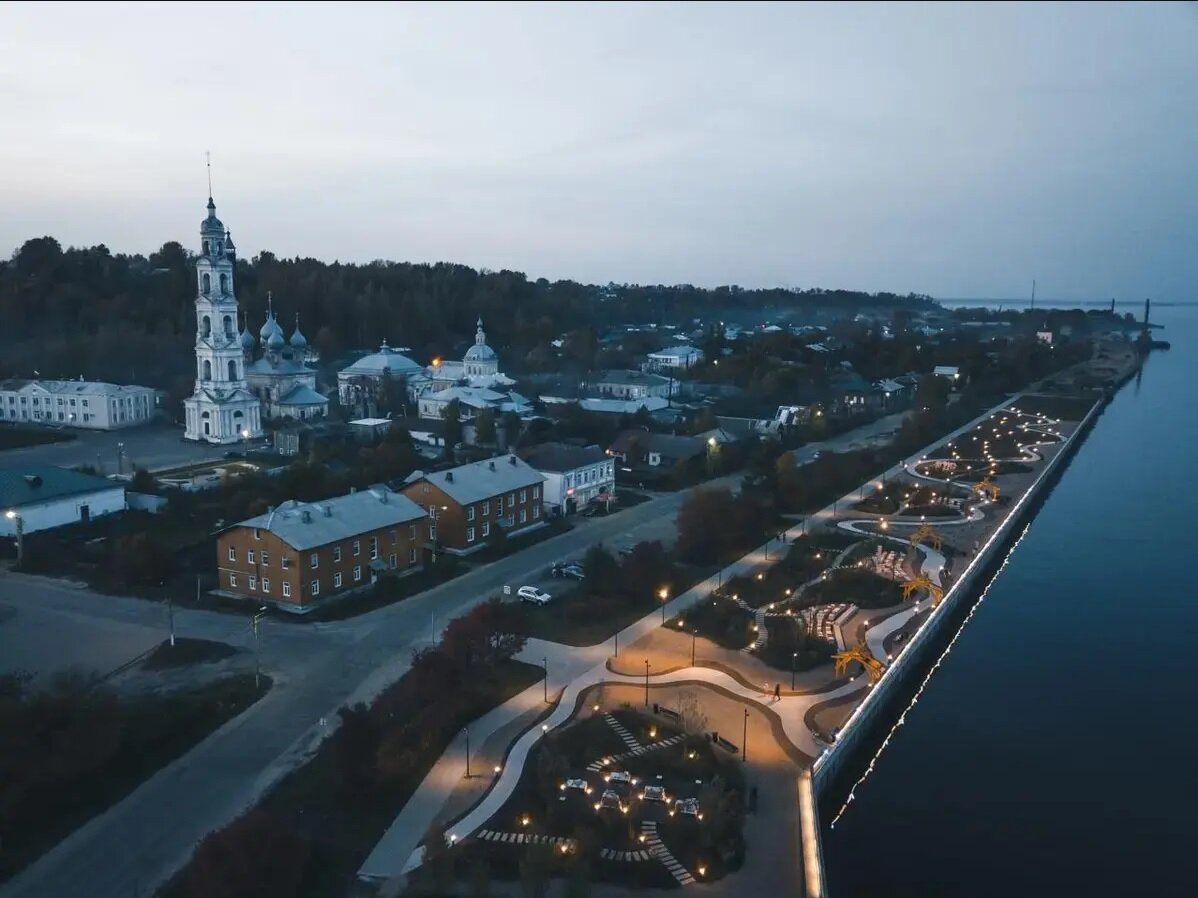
120, 453
19, 525
646, 682
744, 740
663, 594
545, 682
694, 634
794, 657
257, 655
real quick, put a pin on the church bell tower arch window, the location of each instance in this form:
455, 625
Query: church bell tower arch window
224, 284
207, 370
206, 283
232, 370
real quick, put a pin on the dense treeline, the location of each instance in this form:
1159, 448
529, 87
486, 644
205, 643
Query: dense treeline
86, 311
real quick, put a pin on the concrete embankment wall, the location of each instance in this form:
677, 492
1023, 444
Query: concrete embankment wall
876, 709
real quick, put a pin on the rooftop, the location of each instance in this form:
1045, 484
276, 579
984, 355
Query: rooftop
306, 525
481, 479
560, 457
638, 378
31, 484
669, 445
72, 386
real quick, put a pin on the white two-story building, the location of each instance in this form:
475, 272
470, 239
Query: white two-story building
76, 403
574, 476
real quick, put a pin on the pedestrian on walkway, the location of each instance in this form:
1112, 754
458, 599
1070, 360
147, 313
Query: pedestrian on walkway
777, 692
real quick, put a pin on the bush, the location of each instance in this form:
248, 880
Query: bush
722, 621
863, 588
255, 856
789, 643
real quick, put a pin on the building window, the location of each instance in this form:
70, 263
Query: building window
357, 547
249, 557
337, 580
336, 553
412, 532
469, 534
395, 537
536, 511
257, 533
265, 559
374, 547
285, 562
523, 515
232, 580
265, 585
314, 561
470, 513
486, 529
253, 582
232, 554
393, 561
315, 587
357, 572
486, 508
411, 556
523, 495
286, 589
536, 492
511, 499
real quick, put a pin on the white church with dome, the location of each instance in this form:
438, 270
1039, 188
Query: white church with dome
281, 378
475, 382
221, 409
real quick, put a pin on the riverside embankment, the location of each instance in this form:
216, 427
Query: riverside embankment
835, 770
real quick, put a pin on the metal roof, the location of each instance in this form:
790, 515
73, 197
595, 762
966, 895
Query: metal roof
302, 394
88, 387
32, 484
559, 458
482, 479
306, 525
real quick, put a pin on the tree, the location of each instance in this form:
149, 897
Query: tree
690, 715
600, 570
142, 559
452, 416
932, 392
484, 426
646, 569
512, 428
487, 634
703, 524
255, 856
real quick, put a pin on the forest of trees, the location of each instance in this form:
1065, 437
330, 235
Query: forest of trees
129, 318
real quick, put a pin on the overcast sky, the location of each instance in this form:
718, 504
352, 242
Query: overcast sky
956, 150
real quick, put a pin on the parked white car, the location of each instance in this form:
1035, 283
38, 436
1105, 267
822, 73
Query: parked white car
533, 595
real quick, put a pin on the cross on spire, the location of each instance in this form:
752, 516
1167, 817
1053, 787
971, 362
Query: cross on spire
208, 160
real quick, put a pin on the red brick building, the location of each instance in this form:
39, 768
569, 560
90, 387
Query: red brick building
303, 552
467, 503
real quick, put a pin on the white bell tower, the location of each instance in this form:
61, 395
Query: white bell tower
221, 409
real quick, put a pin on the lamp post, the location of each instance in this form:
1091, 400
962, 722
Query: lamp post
646, 682
245, 441
663, 594
19, 526
794, 657
257, 654
545, 682
616, 637
694, 634
467, 732
120, 458
744, 740
712, 448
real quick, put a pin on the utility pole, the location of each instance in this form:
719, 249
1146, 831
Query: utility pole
1033, 295
170, 617
646, 682
257, 655
467, 731
19, 526
545, 681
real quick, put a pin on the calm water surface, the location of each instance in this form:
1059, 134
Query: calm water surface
1054, 751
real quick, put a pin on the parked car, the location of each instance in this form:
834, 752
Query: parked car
573, 570
533, 595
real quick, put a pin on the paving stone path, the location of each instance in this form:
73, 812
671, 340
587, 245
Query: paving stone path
596, 766
622, 731
659, 850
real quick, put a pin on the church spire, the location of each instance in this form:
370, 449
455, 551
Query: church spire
480, 336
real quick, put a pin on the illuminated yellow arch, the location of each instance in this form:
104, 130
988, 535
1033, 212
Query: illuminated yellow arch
861, 655
989, 487
926, 532
922, 582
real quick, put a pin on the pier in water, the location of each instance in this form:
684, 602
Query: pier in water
1052, 753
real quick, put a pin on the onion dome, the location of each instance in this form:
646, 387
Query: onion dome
276, 340
247, 340
298, 340
212, 226
480, 351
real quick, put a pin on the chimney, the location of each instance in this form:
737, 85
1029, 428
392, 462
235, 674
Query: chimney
306, 516
352, 490
328, 511
449, 476
512, 459
491, 465
383, 496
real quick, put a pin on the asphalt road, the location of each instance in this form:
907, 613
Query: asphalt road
318, 667
154, 446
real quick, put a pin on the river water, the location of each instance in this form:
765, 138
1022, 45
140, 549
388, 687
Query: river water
1050, 753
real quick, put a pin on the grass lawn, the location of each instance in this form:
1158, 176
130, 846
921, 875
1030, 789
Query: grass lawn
863, 588
123, 741
343, 830
186, 651
574, 618
998, 437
